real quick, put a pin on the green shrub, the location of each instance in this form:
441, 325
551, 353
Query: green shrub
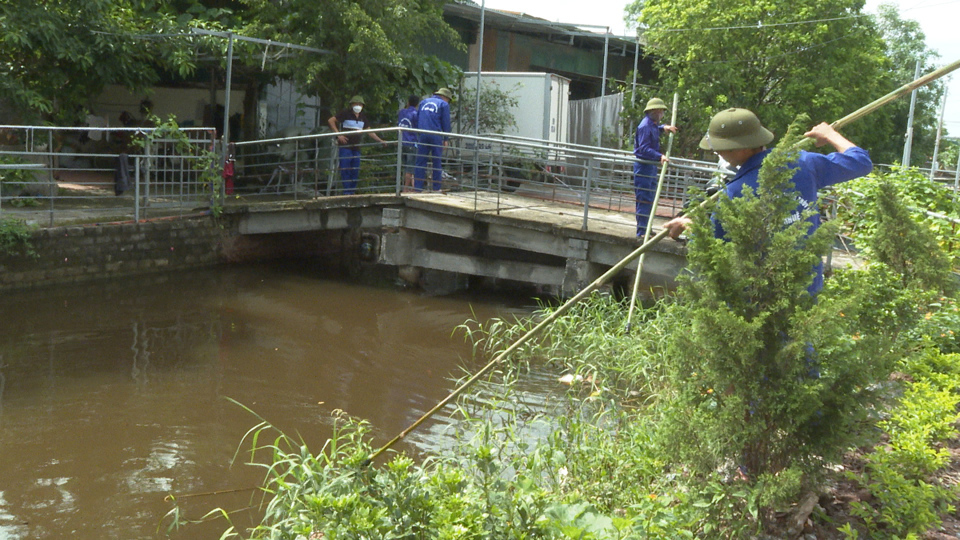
858, 210
743, 371
902, 475
16, 238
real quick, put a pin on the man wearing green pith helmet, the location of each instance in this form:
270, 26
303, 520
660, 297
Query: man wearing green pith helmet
350, 119
737, 136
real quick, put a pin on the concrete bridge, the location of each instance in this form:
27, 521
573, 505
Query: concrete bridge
445, 239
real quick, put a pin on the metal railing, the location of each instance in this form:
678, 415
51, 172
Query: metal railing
55, 175
511, 172
61, 175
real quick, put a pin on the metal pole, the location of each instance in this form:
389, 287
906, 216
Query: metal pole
603, 83
913, 103
399, 162
136, 189
226, 96
476, 131
956, 179
936, 145
51, 183
633, 91
586, 196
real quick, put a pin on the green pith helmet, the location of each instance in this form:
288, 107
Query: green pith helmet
735, 129
655, 103
357, 99
445, 92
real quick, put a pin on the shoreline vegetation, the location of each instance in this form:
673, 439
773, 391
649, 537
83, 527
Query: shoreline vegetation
737, 407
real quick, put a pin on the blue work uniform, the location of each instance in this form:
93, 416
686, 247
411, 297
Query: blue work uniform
433, 115
408, 118
646, 146
813, 172
349, 153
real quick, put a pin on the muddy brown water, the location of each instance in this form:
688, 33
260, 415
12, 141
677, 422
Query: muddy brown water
113, 394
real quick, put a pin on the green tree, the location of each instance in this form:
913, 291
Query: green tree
56, 54
495, 105
765, 376
375, 46
778, 58
905, 45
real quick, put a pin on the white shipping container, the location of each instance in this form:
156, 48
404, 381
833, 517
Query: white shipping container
542, 110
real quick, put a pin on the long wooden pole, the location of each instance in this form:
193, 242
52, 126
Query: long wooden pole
859, 113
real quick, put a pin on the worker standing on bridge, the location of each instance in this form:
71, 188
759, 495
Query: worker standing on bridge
352, 119
407, 118
433, 114
737, 136
646, 146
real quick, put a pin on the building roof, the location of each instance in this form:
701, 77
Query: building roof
523, 22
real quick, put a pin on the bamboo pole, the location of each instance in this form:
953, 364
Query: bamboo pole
653, 212
855, 115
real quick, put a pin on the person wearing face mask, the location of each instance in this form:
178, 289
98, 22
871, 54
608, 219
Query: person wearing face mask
350, 119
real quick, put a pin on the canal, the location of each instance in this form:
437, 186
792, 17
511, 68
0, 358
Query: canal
113, 394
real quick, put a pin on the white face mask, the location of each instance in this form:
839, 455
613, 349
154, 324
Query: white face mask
357, 109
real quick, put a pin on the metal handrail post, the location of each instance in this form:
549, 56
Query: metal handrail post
316, 167
333, 167
145, 203
136, 189
296, 172
52, 184
399, 164
956, 181
586, 196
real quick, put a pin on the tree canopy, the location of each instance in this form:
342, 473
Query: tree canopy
781, 58
375, 46
55, 55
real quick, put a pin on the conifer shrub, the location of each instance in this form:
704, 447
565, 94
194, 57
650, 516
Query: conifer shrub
767, 379
932, 205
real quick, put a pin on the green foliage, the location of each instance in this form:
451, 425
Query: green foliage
902, 475
744, 374
495, 105
865, 201
12, 181
909, 248
375, 46
56, 54
16, 238
753, 55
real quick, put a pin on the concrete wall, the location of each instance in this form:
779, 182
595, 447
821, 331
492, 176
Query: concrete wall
79, 253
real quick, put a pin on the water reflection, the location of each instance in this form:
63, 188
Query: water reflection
112, 394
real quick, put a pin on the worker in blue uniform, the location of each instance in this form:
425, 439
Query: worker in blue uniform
646, 146
737, 136
433, 114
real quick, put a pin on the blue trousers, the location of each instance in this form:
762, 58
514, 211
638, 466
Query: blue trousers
644, 187
430, 147
349, 169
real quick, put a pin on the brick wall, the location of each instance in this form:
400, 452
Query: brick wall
79, 253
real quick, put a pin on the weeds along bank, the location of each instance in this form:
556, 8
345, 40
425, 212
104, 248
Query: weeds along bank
740, 407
